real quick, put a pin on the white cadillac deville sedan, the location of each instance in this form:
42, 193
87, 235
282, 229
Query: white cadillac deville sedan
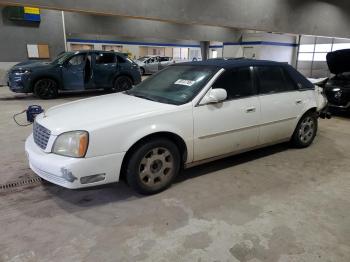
186, 114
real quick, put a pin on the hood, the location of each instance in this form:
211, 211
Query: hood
31, 65
339, 61
318, 81
95, 112
138, 62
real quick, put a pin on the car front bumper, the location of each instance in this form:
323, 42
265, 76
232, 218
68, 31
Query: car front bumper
17, 84
73, 172
347, 106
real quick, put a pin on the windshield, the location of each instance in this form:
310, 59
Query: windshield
61, 58
174, 85
143, 59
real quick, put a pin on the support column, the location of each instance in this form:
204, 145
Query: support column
205, 49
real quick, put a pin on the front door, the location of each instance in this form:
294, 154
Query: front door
281, 104
231, 125
73, 72
104, 70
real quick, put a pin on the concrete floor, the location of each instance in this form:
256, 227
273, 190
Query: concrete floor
274, 204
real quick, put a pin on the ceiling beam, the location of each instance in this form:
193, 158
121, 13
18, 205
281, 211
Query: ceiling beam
314, 17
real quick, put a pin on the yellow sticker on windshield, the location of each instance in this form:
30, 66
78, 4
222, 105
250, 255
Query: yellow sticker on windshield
184, 82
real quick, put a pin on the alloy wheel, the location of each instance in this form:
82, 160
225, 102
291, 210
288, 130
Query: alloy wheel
307, 130
156, 167
45, 88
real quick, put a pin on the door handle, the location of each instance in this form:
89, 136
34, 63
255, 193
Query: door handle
250, 110
298, 101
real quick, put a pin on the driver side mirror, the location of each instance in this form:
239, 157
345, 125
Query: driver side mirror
214, 96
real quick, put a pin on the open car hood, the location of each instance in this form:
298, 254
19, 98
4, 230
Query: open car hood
339, 61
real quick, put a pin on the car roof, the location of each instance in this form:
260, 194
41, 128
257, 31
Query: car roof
155, 56
232, 63
94, 51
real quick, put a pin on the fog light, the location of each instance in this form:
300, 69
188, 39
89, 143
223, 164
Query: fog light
92, 179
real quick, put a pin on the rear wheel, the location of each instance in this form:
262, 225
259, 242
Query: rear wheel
153, 166
45, 88
305, 131
122, 83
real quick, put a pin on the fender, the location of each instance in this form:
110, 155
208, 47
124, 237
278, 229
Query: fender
309, 104
150, 130
178, 122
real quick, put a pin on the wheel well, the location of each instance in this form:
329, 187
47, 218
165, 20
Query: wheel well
177, 140
130, 77
313, 109
44, 77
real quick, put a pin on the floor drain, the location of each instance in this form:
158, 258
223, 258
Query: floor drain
20, 183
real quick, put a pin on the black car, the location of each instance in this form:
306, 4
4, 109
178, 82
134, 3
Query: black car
337, 88
75, 71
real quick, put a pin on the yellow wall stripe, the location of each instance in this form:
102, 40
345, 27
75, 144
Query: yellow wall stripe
31, 10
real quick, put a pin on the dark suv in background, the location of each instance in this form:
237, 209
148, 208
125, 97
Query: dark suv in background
337, 88
75, 71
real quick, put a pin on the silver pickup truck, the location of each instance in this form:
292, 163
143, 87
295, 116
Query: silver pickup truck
152, 64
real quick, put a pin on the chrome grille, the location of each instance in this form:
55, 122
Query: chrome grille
41, 135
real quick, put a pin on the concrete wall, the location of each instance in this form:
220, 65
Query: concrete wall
266, 46
217, 48
78, 23
15, 36
310, 17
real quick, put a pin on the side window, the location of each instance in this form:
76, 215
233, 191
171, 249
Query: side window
274, 79
164, 59
77, 60
105, 58
237, 83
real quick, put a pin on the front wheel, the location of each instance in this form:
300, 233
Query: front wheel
153, 166
305, 131
45, 89
143, 72
122, 83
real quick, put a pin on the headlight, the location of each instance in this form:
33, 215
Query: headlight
72, 144
22, 72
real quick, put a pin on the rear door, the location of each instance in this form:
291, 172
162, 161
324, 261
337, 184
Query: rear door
164, 62
104, 69
231, 125
281, 103
152, 65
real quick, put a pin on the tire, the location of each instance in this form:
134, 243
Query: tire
306, 130
45, 88
152, 166
122, 83
143, 72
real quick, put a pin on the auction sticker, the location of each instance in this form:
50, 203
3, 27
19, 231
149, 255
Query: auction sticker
184, 82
